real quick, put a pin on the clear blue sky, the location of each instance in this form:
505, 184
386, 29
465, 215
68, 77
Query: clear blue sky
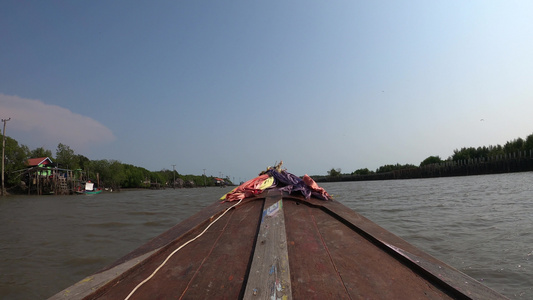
234, 86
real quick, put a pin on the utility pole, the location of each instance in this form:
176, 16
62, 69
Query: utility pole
174, 173
3, 153
205, 185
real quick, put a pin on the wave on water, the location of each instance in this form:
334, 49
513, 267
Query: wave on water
82, 261
142, 213
109, 224
155, 223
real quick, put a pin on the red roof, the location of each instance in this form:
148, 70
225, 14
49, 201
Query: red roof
38, 161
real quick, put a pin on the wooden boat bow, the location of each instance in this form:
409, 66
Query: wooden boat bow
282, 246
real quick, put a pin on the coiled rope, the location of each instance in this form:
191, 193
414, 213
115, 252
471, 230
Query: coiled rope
178, 249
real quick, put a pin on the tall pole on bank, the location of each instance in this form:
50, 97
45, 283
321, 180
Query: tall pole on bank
174, 173
3, 153
205, 185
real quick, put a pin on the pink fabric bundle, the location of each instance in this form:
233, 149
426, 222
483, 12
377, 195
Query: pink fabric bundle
247, 189
315, 188
286, 182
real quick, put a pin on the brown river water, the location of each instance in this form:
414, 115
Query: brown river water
481, 225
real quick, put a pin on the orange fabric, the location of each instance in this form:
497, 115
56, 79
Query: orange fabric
315, 188
247, 189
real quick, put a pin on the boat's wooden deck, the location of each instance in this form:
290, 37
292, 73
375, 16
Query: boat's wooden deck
333, 253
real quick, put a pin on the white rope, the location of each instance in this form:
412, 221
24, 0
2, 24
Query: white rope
179, 248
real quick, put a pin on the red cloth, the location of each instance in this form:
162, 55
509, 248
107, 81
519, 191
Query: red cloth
315, 188
247, 189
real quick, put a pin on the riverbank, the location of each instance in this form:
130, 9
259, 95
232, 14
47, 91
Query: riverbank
478, 166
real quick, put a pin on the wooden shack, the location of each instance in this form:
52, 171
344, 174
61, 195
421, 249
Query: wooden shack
42, 176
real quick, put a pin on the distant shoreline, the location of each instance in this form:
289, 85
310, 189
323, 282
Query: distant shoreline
481, 166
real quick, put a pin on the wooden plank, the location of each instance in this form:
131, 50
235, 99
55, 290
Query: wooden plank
439, 273
177, 273
213, 266
367, 271
313, 273
224, 272
269, 273
99, 282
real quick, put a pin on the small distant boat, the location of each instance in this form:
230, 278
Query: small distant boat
285, 238
89, 189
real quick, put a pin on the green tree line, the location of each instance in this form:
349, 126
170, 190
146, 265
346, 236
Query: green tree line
509, 148
112, 173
